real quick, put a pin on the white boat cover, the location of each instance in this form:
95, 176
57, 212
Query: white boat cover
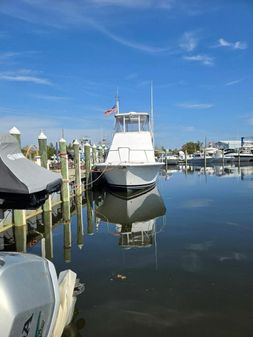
21, 180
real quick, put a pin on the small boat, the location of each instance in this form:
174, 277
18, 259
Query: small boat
34, 302
23, 185
169, 159
203, 157
130, 163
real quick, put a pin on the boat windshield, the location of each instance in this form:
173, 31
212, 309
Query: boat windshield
132, 123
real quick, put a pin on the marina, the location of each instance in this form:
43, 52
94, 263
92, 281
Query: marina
160, 265
126, 168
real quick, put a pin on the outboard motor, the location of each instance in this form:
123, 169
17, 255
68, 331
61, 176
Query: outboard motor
33, 301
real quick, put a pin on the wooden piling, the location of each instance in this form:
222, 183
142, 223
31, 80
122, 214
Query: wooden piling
42, 140
65, 191
19, 216
204, 158
16, 133
87, 164
21, 237
94, 154
166, 160
78, 182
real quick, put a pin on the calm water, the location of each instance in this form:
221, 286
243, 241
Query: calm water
176, 261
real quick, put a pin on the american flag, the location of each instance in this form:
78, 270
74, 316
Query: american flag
112, 110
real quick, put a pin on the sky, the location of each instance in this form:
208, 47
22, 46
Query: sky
62, 62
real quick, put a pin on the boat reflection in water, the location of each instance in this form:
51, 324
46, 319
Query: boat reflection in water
134, 215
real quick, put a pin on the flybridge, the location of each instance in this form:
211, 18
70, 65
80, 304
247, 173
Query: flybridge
132, 122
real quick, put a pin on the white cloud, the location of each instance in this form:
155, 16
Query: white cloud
233, 82
195, 105
166, 4
25, 75
51, 97
131, 76
132, 44
82, 14
233, 45
188, 42
204, 59
7, 55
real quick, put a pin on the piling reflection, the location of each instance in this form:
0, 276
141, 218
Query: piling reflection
90, 229
134, 215
79, 221
67, 230
48, 230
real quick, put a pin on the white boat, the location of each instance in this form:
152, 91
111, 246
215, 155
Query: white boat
203, 157
169, 159
244, 155
130, 163
224, 156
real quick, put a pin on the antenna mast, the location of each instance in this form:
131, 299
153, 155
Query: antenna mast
152, 110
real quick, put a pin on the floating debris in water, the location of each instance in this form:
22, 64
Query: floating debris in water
118, 277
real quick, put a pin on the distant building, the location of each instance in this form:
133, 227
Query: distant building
234, 144
229, 144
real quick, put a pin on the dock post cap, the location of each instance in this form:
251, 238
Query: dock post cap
42, 135
94, 146
87, 144
14, 131
76, 142
62, 140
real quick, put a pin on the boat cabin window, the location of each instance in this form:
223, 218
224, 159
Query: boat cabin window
132, 123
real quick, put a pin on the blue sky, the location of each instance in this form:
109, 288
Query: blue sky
62, 61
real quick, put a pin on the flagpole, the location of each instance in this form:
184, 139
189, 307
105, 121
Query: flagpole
117, 100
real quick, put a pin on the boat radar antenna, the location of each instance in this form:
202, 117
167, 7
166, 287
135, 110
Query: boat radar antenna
117, 100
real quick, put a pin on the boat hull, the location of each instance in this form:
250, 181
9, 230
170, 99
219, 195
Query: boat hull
130, 176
